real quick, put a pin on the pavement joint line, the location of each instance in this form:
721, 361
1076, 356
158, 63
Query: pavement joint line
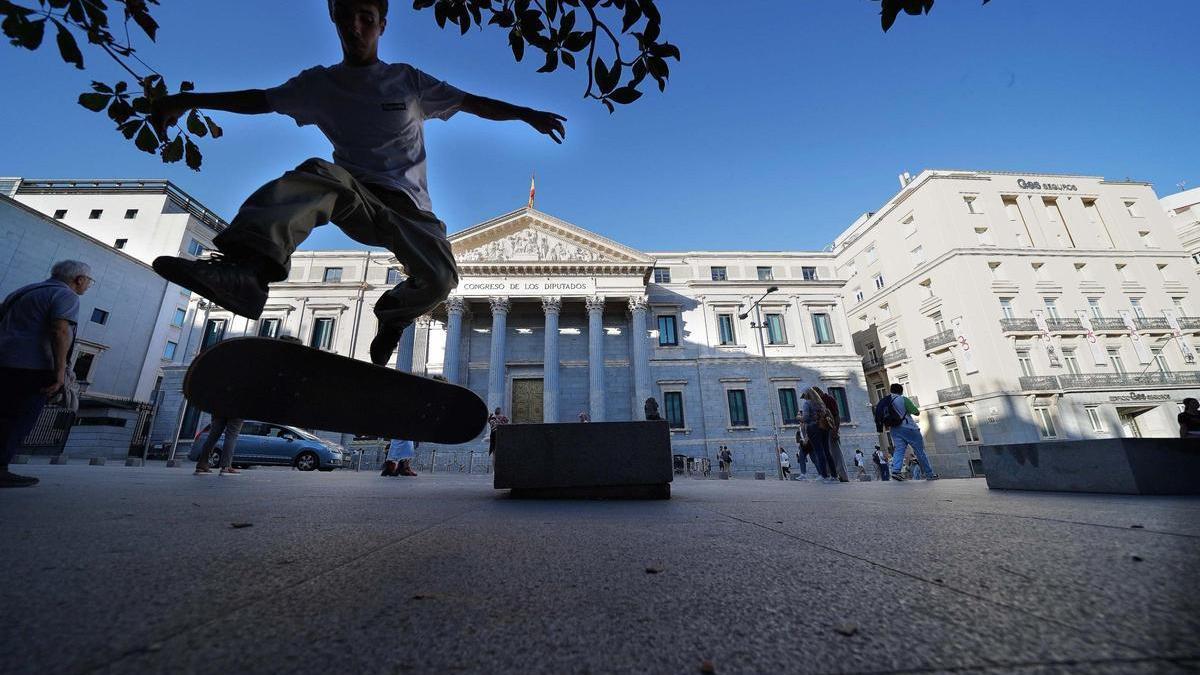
222, 614
1124, 528
1174, 660
948, 587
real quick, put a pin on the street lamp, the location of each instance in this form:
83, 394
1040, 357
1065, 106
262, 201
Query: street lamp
758, 326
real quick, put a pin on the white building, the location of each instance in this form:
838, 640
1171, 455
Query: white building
142, 219
551, 320
1183, 212
1019, 307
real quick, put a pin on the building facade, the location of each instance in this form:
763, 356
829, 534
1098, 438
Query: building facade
551, 322
1183, 212
1023, 307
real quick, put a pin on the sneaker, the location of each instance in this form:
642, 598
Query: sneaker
230, 472
387, 337
8, 479
390, 468
201, 470
932, 476
231, 284
406, 468
898, 477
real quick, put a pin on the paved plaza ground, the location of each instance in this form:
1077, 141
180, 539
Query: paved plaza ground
127, 570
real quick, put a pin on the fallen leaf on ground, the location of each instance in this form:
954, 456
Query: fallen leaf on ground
1138, 527
420, 596
1137, 558
846, 629
238, 526
707, 666
653, 570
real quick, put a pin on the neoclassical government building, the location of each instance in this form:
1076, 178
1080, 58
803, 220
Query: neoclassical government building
551, 322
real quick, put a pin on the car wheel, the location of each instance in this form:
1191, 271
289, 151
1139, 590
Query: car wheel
215, 458
307, 461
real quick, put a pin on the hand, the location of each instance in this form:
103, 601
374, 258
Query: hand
164, 113
51, 390
547, 123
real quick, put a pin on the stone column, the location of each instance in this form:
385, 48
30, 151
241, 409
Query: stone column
551, 307
639, 354
421, 345
595, 310
455, 308
405, 349
500, 307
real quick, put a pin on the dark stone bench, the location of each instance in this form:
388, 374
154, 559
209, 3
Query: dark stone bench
1132, 466
630, 460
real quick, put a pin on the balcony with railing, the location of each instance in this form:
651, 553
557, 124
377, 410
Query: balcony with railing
1154, 324
1057, 325
941, 339
1189, 322
1126, 380
1038, 383
954, 393
1018, 325
894, 356
1105, 323
872, 363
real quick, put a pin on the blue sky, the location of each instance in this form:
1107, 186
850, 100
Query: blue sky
785, 120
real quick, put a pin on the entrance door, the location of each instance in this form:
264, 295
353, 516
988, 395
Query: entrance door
1129, 425
527, 401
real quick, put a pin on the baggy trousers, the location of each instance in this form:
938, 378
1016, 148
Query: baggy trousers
221, 425
279, 216
21, 402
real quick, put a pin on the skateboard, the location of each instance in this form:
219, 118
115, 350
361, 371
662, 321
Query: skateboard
287, 383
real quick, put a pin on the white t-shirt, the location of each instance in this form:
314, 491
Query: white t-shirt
858, 460
784, 461
373, 115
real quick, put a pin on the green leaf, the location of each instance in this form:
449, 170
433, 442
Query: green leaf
25, 33
517, 43
147, 140
551, 62
214, 130
120, 111
625, 95
141, 105
633, 13
94, 102
101, 87
67, 46
186, 86
577, 41
173, 152
196, 125
192, 155
568, 60
130, 128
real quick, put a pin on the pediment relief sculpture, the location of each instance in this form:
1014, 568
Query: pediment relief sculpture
530, 245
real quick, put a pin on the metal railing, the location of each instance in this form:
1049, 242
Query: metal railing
894, 356
1122, 380
1189, 322
1108, 323
1144, 323
943, 338
1038, 383
872, 363
954, 393
1064, 325
1018, 325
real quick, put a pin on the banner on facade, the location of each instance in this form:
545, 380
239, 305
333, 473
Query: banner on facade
1139, 345
1099, 356
1189, 354
964, 347
478, 287
1046, 338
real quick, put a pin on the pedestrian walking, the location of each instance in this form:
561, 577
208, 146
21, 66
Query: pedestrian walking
584, 416
802, 451
837, 465
399, 459
881, 463
817, 423
494, 420
375, 190
230, 427
37, 335
860, 465
1189, 419
785, 464
897, 414
727, 460
651, 410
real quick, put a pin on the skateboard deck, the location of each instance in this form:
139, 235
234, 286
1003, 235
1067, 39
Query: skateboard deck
287, 383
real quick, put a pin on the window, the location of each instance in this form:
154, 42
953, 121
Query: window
843, 404
130, 214
194, 247
673, 407
1093, 413
268, 328
738, 416
120, 244
725, 329
1179, 308
858, 294
95, 214
939, 323
1164, 272
333, 275
60, 214
1098, 224
776, 335
1051, 308
214, 332
809, 273
972, 203
1025, 362
1147, 239
394, 276
879, 283
880, 391
169, 350
1006, 308
953, 376
99, 316
893, 342
667, 336
1138, 310
83, 366
970, 432
1114, 359
789, 407
872, 352
766, 274
1045, 421
662, 275
718, 274
180, 316
322, 333
1131, 208
872, 254
1082, 270
1123, 270
1096, 309
1070, 361
997, 270
1160, 361
886, 308
1017, 221
910, 226
822, 328
918, 255
1040, 271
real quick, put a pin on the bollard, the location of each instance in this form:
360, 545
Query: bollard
172, 463
59, 459
471, 463
433, 461
96, 461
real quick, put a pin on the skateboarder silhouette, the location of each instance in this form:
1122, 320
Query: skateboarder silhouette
374, 189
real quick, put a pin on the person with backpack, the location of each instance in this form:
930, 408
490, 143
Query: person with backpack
896, 413
881, 463
37, 334
818, 422
835, 464
802, 449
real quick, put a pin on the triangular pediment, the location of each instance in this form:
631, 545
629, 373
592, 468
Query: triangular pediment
531, 237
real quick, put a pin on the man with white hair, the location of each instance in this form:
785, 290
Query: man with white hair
37, 332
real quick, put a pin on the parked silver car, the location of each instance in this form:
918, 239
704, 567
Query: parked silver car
278, 445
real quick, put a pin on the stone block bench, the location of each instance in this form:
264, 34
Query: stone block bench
1132, 466
624, 460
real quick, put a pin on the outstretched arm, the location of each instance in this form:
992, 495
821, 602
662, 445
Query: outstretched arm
167, 110
547, 123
